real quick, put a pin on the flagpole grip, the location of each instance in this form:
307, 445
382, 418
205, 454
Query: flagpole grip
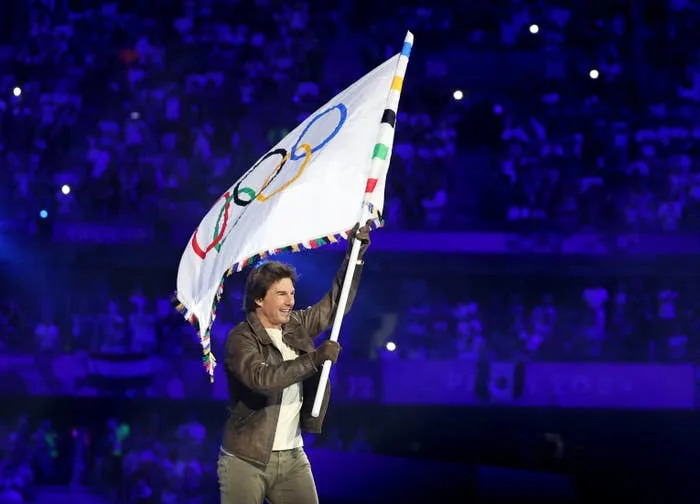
339, 312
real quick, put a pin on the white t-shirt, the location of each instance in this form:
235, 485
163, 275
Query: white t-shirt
288, 432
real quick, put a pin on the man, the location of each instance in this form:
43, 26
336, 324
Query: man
273, 372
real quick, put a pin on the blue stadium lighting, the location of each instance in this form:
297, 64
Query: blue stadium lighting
43, 213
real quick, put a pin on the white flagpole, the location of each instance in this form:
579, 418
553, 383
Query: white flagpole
385, 139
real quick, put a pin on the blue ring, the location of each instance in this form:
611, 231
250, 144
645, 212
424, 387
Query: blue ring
343, 116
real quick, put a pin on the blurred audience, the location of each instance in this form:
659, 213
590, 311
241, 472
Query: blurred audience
507, 318
136, 461
125, 111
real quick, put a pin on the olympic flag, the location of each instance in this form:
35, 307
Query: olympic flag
307, 191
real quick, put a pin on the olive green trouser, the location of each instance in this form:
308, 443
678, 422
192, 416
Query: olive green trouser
286, 479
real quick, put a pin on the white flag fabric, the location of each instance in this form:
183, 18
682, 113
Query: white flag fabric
306, 191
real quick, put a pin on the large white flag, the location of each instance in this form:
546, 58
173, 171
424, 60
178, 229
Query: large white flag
306, 191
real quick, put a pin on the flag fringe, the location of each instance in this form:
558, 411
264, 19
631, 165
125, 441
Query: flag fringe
208, 359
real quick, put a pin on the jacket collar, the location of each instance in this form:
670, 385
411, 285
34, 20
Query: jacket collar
258, 328
291, 337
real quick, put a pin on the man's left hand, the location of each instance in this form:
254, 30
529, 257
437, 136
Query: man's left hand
362, 234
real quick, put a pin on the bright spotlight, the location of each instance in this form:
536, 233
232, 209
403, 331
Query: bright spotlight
17, 91
43, 214
534, 29
391, 346
458, 95
593, 74
65, 189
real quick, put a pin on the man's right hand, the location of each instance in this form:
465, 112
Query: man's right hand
328, 350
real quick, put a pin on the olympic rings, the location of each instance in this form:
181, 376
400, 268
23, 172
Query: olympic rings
307, 158
343, 116
235, 195
251, 192
218, 233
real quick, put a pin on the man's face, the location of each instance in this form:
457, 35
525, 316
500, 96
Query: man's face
275, 308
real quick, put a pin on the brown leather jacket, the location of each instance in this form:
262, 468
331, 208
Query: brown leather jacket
257, 374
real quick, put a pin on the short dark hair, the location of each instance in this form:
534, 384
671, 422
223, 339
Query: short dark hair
261, 278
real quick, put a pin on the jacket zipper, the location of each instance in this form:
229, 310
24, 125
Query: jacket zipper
274, 427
